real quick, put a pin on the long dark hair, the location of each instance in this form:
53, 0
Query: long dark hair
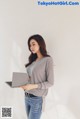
39, 39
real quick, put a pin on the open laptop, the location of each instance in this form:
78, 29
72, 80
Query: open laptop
18, 79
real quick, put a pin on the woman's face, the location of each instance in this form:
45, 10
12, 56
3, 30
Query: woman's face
34, 47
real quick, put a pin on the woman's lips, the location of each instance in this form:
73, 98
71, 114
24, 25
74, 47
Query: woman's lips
32, 50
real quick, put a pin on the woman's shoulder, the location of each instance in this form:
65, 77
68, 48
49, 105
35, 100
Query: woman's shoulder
49, 61
49, 58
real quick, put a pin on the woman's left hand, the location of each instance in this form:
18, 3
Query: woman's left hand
29, 86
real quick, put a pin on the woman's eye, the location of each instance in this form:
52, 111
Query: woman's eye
32, 45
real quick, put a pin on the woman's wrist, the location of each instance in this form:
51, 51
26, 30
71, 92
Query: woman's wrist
35, 85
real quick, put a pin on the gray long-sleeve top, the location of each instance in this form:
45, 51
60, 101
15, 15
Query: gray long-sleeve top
41, 73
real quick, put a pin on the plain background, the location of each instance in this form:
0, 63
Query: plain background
60, 28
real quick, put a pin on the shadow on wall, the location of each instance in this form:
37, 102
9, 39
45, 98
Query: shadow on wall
74, 101
54, 109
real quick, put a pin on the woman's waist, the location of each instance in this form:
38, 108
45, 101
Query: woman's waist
38, 92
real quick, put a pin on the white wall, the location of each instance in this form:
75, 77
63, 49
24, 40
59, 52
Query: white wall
60, 26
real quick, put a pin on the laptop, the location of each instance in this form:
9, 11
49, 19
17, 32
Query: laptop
18, 79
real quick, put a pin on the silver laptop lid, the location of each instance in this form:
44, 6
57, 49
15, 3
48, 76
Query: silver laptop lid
19, 79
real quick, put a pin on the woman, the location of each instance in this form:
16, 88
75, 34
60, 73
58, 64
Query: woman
40, 71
